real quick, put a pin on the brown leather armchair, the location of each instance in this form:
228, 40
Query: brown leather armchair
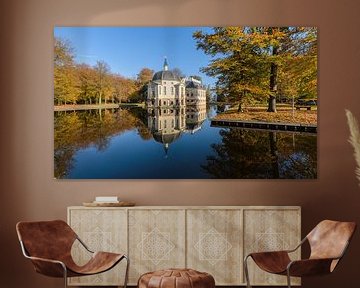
328, 242
48, 245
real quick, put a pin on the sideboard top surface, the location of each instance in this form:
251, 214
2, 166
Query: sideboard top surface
192, 207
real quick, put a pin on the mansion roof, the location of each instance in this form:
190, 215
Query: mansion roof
165, 75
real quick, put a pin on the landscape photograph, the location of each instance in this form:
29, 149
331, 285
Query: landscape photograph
185, 102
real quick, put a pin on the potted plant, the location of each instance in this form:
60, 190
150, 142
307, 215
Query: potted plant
354, 139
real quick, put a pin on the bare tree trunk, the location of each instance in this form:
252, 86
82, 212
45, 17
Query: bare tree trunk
274, 155
100, 98
240, 102
273, 84
239, 108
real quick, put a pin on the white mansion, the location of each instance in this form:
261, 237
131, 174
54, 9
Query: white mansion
167, 89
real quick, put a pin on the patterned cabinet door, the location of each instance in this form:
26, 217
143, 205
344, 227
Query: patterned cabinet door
214, 244
101, 230
270, 230
156, 240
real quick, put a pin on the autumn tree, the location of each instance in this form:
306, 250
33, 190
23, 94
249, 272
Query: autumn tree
297, 63
142, 80
124, 88
238, 62
250, 62
65, 76
102, 70
144, 76
88, 89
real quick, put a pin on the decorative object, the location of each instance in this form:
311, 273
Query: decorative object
48, 245
328, 242
106, 199
354, 140
109, 204
176, 278
204, 238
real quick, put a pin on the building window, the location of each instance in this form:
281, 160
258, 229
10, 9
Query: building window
164, 103
165, 123
159, 90
165, 90
172, 90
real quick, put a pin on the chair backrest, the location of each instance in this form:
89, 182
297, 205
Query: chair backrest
329, 239
46, 239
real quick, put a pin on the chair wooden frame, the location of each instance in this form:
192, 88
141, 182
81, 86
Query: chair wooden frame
304, 267
66, 271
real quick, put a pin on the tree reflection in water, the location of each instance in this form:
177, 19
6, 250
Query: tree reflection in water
77, 130
229, 153
252, 154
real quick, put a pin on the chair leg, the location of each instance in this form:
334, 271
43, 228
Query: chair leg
65, 276
127, 271
288, 278
246, 270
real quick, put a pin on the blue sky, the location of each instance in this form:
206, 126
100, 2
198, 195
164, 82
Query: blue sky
129, 49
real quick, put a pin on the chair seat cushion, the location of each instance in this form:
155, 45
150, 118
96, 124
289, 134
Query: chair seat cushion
176, 278
272, 262
99, 262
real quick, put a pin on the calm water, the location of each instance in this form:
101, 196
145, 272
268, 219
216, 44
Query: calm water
135, 143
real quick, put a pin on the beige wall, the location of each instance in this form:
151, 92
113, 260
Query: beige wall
28, 191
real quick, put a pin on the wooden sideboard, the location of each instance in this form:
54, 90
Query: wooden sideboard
212, 239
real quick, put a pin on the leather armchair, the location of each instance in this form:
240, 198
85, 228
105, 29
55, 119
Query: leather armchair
328, 243
48, 245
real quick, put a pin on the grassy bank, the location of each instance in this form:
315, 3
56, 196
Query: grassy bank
84, 107
95, 106
283, 115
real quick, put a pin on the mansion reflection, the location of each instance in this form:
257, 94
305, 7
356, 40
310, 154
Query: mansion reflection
168, 123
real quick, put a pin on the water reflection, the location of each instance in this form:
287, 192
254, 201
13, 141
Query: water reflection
78, 130
174, 143
245, 153
167, 124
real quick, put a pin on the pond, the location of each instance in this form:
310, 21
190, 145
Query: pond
137, 143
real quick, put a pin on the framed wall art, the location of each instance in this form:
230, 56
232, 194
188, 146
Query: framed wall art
185, 102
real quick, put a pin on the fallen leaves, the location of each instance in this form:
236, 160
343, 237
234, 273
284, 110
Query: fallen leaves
282, 116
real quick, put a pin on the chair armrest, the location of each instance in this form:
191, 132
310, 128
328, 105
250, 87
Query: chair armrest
83, 244
298, 246
309, 267
280, 251
268, 253
49, 267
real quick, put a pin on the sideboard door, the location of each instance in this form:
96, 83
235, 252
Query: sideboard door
156, 240
214, 244
101, 230
271, 230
